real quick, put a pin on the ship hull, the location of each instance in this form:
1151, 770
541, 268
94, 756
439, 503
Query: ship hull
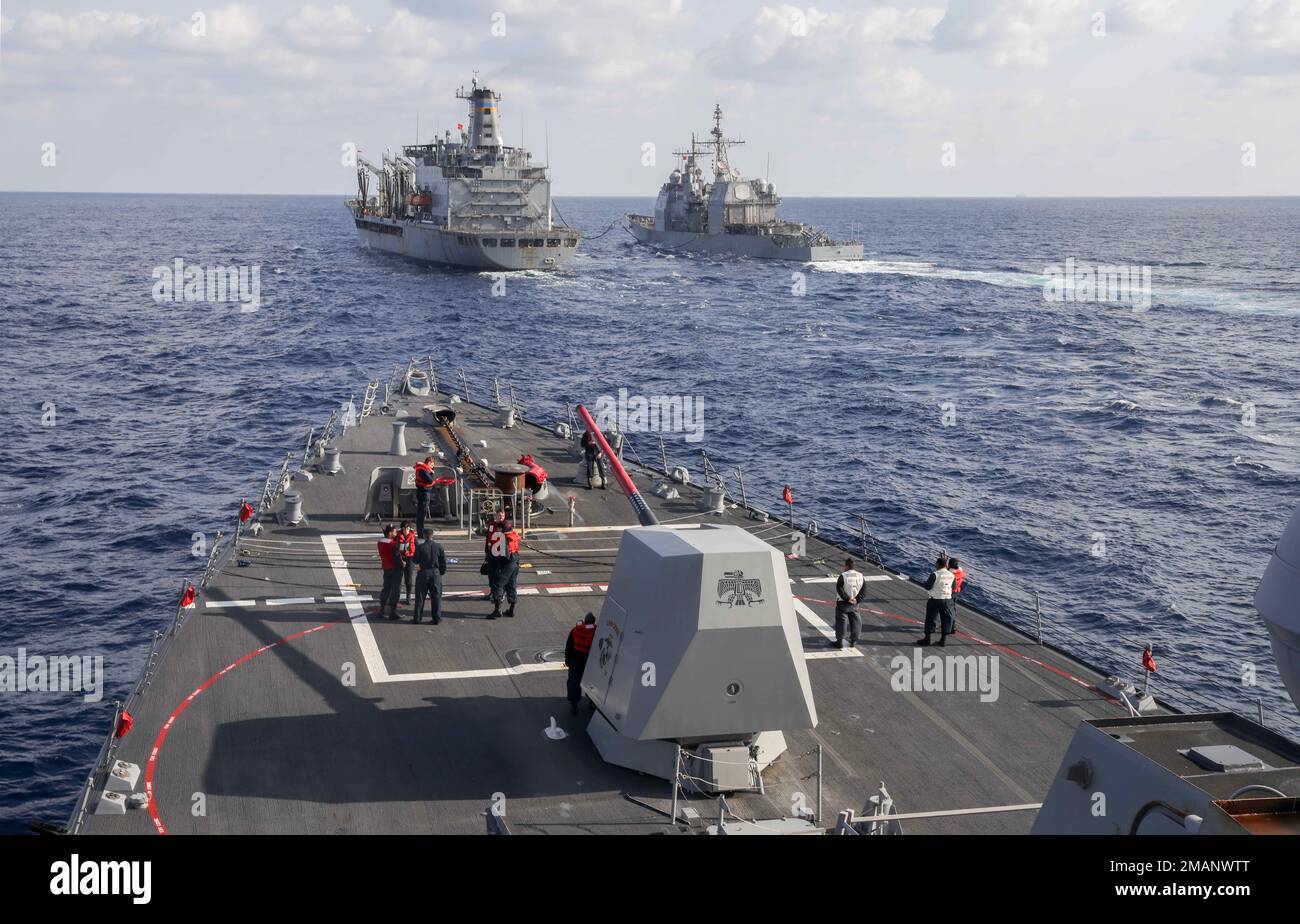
747, 245
494, 251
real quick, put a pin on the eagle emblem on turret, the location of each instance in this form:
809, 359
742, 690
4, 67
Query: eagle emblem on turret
734, 589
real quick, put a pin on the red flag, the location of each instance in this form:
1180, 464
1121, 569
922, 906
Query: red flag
1148, 662
124, 723
460, 127
787, 496
187, 598
245, 512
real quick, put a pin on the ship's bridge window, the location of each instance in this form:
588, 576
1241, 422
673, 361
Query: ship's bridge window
489, 242
552, 242
538, 242
570, 242
507, 242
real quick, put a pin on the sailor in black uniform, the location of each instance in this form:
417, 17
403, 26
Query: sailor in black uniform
595, 457
431, 562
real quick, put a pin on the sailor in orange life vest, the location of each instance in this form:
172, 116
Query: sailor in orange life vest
503, 566
576, 650
958, 578
388, 560
847, 591
939, 605
492, 528
405, 539
423, 485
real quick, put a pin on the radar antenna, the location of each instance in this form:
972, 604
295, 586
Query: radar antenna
721, 166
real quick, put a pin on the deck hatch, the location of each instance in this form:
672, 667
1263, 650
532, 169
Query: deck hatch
1224, 758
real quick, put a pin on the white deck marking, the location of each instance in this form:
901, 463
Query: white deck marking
356, 612
486, 672
348, 598
820, 580
575, 589
825, 629
224, 604
288, 601
832, 653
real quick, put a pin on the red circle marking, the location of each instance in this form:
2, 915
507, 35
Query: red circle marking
185, 704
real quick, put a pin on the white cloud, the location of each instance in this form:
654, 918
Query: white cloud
275, 86
1264, 40
777, 41
1145, 16
406, 35
1008, 33
330, 29
93, 30
853, 56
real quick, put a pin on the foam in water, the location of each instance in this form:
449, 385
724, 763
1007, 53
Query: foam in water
1004, 278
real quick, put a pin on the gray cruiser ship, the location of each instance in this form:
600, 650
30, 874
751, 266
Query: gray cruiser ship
730, 214
276, 699
469, 201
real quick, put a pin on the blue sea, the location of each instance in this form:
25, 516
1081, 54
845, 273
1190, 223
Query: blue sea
1132, 467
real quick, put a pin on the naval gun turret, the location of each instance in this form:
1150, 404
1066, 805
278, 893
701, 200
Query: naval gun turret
697, 647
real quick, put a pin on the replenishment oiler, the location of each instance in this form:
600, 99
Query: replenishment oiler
731, 214
473, 202
716, 700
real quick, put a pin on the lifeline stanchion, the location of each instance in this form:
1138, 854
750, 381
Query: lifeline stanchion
677, 764
818, 818
740, 480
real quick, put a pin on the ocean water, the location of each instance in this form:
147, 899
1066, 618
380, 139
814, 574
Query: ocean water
1132, 467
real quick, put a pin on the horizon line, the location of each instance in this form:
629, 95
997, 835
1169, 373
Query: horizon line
344, 196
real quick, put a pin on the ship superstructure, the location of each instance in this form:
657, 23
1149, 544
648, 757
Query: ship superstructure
470, 200
729, 213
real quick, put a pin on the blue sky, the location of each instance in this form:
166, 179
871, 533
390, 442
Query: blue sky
1040, 97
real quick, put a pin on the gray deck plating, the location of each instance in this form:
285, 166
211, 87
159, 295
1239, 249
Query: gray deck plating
249, 725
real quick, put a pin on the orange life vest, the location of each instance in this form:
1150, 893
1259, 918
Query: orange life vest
503, 544
582, 636
957, 577
423, 475
536, 471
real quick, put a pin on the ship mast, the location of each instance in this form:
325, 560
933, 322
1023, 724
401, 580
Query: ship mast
721, 166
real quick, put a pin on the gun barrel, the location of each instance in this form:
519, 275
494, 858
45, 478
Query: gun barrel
643, 512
